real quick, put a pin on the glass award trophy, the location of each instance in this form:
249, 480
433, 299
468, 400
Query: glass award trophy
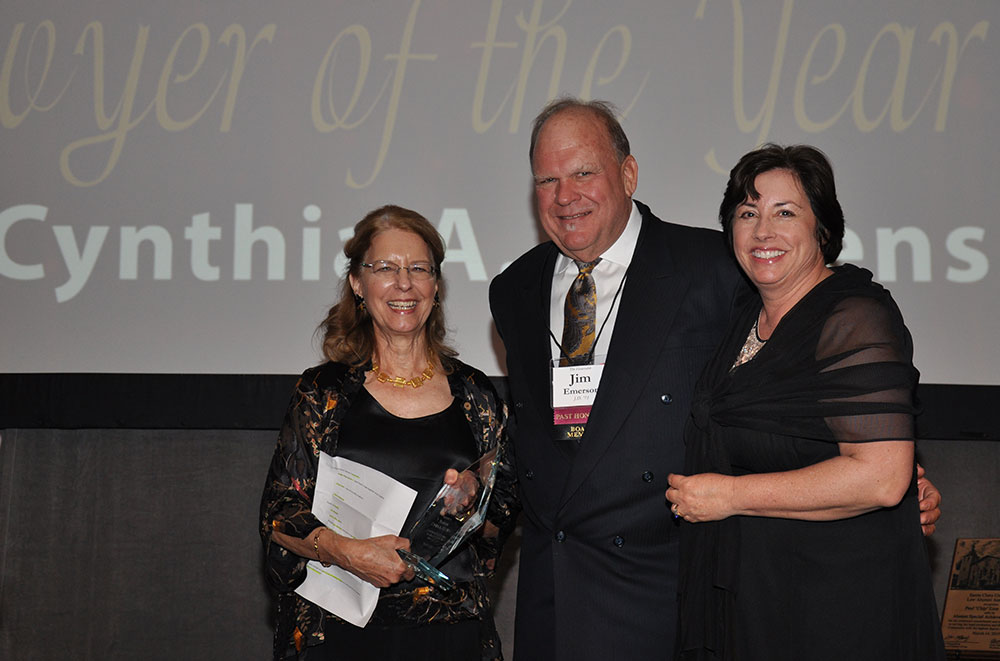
456, 512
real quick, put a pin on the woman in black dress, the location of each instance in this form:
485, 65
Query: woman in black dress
392, 396
802, 538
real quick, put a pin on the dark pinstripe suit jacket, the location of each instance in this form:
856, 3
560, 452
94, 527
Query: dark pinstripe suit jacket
598, 567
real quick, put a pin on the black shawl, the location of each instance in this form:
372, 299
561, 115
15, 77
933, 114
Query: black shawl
837, 368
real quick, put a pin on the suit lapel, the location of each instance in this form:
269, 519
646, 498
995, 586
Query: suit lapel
537, 350
650, 300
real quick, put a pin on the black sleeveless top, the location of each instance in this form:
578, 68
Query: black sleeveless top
415, 451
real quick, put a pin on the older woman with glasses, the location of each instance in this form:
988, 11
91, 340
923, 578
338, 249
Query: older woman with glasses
391, 396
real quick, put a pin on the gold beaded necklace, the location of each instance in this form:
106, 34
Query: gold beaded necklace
399, 381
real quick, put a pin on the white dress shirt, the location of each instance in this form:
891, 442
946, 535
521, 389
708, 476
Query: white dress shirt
609, 275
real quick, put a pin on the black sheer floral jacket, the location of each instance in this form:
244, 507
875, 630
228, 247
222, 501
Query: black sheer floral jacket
321, 399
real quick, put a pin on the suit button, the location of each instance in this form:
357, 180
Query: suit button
530, 474
618, 541
560, 536
666, 398
519, 405
647, 476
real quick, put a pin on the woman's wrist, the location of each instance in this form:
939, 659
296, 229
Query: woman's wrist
315, 535
735, 504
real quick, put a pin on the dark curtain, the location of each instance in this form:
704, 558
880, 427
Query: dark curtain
132, 544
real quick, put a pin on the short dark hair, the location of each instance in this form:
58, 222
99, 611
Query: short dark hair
603, 110
815, 174
348, 334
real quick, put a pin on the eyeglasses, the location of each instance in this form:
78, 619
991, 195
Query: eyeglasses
387, 270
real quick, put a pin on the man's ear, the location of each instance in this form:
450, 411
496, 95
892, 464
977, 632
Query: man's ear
630, 174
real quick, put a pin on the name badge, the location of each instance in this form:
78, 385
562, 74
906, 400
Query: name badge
574, 389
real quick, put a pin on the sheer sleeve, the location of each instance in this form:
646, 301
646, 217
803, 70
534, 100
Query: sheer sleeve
864, 344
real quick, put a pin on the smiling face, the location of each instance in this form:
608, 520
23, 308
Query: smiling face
583, 194
774, 237
398, 305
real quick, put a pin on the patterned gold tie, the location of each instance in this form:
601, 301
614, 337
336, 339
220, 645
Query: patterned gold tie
580, 317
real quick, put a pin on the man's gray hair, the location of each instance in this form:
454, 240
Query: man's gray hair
603, 110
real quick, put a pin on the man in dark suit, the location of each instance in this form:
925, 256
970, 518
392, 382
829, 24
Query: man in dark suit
598, 567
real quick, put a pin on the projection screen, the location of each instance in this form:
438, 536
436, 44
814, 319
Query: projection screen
179, 178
